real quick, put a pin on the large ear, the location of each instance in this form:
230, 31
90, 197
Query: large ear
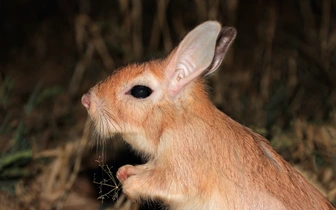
200, 52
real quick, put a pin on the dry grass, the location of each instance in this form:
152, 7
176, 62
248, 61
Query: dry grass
280, 73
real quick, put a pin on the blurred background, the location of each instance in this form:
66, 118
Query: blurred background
278, 78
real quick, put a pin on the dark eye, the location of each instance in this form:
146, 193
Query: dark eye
140, 91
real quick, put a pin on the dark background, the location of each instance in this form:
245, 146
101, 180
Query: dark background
279, 79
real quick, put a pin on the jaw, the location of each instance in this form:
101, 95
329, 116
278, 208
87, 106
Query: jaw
103, 128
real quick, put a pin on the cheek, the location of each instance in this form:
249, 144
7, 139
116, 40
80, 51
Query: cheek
133, 113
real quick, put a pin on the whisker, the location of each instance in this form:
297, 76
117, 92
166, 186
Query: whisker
102, 127
112, 122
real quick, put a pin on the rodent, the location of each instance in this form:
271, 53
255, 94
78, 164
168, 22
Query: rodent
197, 156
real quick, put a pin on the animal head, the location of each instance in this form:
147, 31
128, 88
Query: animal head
140, 101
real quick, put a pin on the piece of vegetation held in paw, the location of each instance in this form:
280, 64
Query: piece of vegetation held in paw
110, 182
197, 156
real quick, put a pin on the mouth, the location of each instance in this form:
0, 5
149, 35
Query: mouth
102, 126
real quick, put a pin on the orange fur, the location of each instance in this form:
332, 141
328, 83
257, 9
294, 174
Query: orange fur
198, 157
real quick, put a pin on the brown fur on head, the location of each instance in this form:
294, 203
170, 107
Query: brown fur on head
141, 121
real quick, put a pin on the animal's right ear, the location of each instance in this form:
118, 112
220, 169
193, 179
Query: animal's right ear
200, 53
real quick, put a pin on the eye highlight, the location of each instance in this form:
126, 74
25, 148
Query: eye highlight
140, 91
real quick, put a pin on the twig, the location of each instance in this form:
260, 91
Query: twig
213, 9
201, 7
76, 168
267, 61
96, 43
115, 187
137, 28
324, 32
160, 27
80, 69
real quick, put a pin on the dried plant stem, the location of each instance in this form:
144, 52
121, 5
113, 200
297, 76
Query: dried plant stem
137, 28
80, 69
213, 9
76, 167
96, 43
269, 35
232, 6
324, 33
160, 27
201, 8
111, 182
308, 21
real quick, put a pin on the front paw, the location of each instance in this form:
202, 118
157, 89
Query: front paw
125, 171
129, 176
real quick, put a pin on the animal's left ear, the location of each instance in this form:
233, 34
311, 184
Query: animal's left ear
200, 52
